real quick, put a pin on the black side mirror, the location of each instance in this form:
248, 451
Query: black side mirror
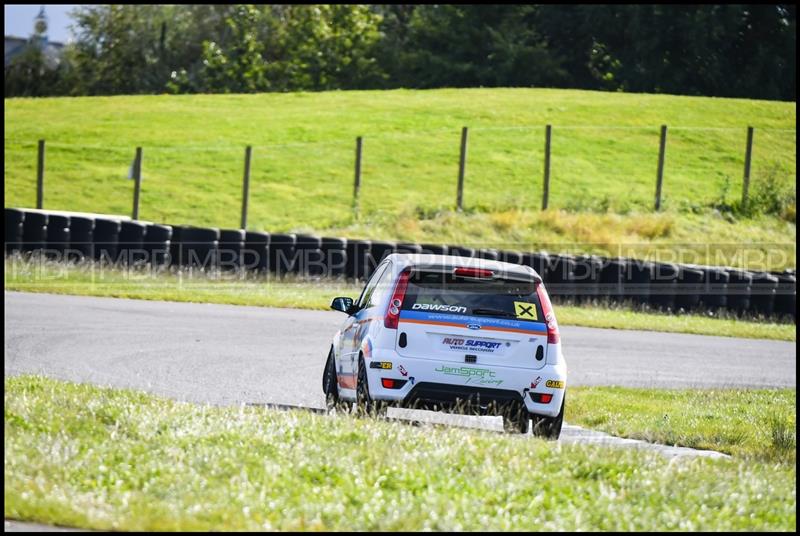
342, 304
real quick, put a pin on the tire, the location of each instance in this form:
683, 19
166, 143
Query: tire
364, 404
549, 427
329, 384
517, 420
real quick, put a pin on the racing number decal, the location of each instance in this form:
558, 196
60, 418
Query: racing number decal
525, 311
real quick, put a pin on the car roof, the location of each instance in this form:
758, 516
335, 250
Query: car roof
405, 260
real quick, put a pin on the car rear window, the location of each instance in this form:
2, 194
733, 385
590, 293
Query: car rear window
499, 298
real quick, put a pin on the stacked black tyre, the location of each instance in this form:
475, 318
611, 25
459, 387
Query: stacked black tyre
786, 295
663, 286
739, 282
378, 252
231, 247
586, 277
157, 244
334, 256
689, 288
81, 238
560, 277
435, 249
14, 230
613, 277
282, 254
309, 256
131, 243
715, 292
199, 248
106, 239
358, 252
512, 257
461, 251
539, 261
763, 288
637, 286
57, 236
255, 256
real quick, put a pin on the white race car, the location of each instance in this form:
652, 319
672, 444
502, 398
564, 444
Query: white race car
437, 331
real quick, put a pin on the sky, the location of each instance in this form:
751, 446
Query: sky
19, 20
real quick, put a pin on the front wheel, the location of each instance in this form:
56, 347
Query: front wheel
330, 385
549, 427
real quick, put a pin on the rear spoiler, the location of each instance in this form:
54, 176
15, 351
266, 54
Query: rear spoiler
525, 274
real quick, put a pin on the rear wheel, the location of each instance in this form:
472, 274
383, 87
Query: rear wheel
364, 403
549, 427
517, 419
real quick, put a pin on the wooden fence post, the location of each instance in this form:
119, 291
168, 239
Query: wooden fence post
462, 163
40, 176
660, 176
747, 159
137, 176
546, 189
246, 184
357, 179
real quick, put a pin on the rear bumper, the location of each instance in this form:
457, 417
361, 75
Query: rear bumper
443, 383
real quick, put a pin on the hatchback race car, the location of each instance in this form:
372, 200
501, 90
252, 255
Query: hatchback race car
444, 332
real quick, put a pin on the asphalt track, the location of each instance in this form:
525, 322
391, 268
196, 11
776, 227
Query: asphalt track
227, 354
223, 354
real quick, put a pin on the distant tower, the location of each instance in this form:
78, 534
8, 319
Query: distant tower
40, 26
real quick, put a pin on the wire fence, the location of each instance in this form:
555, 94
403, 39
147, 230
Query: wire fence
311, 182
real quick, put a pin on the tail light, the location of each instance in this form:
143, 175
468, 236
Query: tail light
392, 317
549, 315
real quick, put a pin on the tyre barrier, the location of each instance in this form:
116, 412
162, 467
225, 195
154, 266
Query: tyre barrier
57, 236
413, 249
586, 277
14, 230
131, 243
739, 290
488, 254
786, 295
560, 275
281, 254
231, 245
334, 256
459, 251
157, 244
106, 239
378, 252
512, 257
612, 279
255, 255
199, 248
637, 283
435, 249
538, 261
663, 285
689, 288
81, 238
175, 247
762, 293
308, 255
357, 259
34, 231
715, 289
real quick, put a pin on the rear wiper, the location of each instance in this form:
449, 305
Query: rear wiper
492, 312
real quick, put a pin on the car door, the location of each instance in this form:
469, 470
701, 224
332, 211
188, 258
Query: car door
354, 328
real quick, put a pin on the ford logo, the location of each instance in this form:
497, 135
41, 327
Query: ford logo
473, 326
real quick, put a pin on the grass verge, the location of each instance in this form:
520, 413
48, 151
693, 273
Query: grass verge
80, 455
604, 154
751, 423
92, 280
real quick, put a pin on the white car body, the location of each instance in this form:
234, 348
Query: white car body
441, 340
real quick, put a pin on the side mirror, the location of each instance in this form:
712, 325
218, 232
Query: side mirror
342, 304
